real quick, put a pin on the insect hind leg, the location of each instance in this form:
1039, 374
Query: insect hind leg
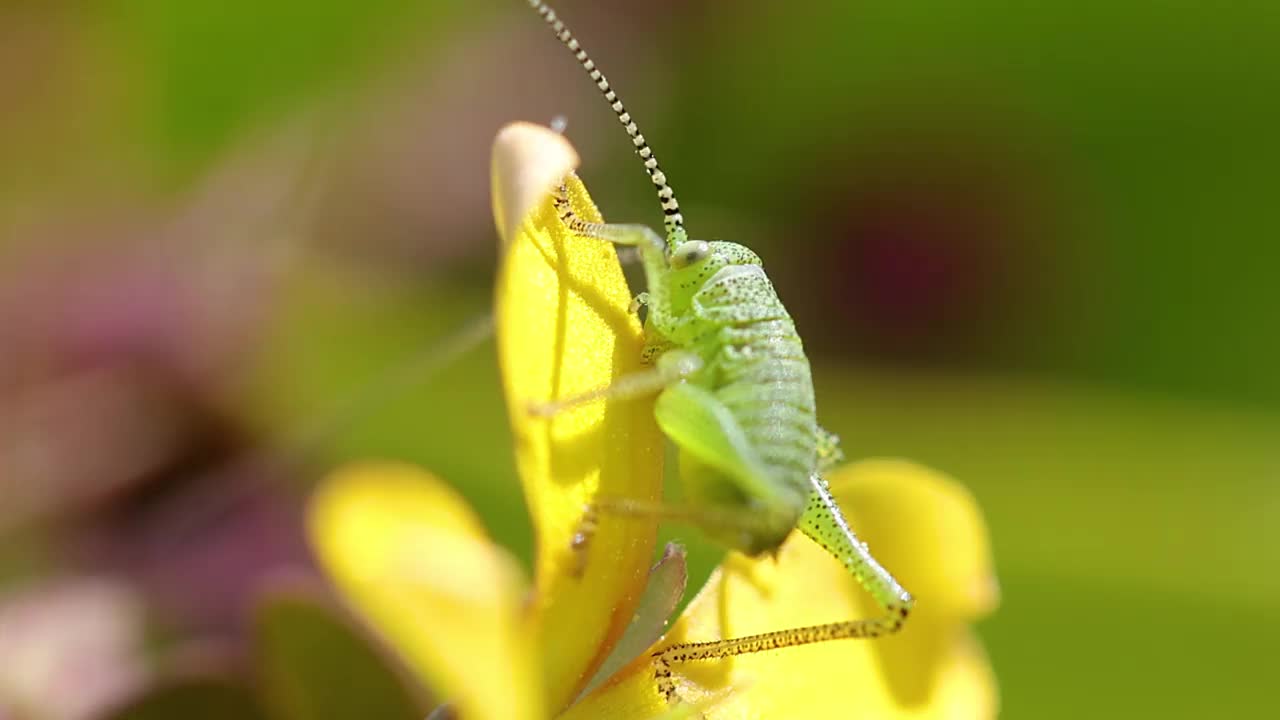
823, 522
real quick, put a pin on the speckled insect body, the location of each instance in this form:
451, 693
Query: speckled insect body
722, 311
735, 396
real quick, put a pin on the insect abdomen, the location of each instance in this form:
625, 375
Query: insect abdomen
761, 374
768, 388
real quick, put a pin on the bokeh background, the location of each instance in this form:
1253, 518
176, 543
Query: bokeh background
1033, 245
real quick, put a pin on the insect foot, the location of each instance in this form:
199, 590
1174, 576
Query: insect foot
587, 527
662, 675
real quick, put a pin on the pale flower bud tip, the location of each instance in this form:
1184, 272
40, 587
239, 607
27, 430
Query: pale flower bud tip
528, 162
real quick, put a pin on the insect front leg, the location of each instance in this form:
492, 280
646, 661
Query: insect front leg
642, 237
647, 244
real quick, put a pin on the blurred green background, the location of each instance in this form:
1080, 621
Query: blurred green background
1031, 245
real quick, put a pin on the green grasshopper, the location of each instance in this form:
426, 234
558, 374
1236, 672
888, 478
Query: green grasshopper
735, 397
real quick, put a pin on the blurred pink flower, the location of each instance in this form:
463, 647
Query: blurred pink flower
122, 335
70, 648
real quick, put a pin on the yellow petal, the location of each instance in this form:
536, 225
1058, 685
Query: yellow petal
528, 161
413, 559
928, 531
935, 536
564, 328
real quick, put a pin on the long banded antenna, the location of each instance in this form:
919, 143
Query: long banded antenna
672, 220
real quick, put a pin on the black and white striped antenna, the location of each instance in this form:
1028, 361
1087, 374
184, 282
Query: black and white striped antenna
672, 220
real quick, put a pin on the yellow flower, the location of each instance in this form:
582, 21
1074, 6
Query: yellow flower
410, 555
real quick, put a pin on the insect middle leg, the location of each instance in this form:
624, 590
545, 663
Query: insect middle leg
824, 524
671, 367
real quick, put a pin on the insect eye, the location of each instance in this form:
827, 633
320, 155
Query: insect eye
690, 253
